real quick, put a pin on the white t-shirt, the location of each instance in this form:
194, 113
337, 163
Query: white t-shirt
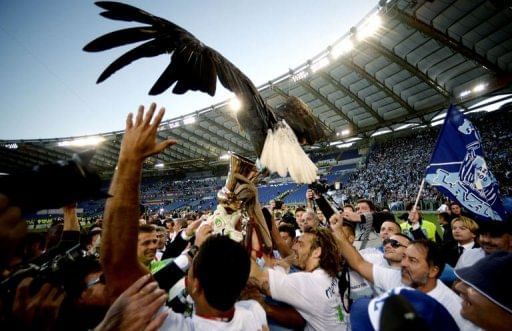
390, 278
374, 255
360, 287
470, 257
249, 315
315, 295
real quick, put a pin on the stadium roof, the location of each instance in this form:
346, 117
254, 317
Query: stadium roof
403, 64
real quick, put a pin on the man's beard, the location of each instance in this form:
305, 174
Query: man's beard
415, 283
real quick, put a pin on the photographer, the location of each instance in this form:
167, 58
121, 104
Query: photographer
12, 230
50, 292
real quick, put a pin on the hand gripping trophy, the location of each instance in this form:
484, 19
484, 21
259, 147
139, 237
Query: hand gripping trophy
238, 214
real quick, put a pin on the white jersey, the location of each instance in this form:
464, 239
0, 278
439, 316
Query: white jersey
360, 287
315, 295
249, 315
390, 278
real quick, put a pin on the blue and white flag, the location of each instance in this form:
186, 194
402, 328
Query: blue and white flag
458, 169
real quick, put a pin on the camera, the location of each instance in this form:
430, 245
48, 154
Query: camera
56, 269
53, 185
320, 186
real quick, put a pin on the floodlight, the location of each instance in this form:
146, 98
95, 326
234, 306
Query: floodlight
381, 132
436, 123
404, 126
11, 146
369, 27
345, 46
438, 117
345, 132
81, 142
189, 120
465, 93
224, 156
323, 62
159, 165
345, 145
235, 104
353, 139
479, 88
490, 107
492, 99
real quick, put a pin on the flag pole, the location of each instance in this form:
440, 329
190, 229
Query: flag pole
419, 194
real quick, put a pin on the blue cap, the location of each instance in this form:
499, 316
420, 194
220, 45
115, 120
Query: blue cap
399, 309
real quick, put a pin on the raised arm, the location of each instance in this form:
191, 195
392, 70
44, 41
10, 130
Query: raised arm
120, 221
349, 253
70, 219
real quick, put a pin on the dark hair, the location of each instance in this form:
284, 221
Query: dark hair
445, 216
495, 228
146, 228
409, 206
395, 223
74, 283
349, 206
181, 223
299, 209
351, 226
289, 219
454, 203
435, 256
288, 228
402, 235
330, 259
222, 267
368, 202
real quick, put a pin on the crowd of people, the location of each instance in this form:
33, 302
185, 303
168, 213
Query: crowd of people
390, 176
394, 168
313, 268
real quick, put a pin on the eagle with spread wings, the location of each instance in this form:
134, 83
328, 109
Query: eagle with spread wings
275, 134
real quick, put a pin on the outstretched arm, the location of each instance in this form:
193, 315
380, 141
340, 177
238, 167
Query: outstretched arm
349, 253
120, 221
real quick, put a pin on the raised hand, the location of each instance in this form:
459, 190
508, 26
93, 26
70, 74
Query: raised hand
139, 140
247, 191
37, 311
136, 307
336, 222
204, 231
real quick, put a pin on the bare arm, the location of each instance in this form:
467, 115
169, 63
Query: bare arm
349, 253
259, 278
285, 315
120, 221
70, 220
279, 243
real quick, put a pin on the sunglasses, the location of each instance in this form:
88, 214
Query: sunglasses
394, 243
99, 280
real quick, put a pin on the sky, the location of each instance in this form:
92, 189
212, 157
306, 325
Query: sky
48, 84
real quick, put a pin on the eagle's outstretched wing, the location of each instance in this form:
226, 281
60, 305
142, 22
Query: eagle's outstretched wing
306, 126
195, 66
